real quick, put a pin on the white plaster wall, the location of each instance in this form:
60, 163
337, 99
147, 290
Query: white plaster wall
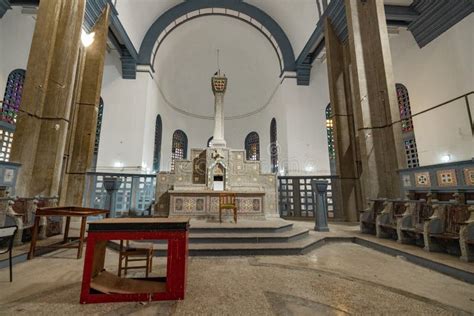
122, 134
16, 34
138, 15
306, 124
439, 72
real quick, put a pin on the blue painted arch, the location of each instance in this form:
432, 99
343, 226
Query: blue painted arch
146, 53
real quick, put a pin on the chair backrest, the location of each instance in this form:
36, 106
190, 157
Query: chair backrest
7, 235
227, 198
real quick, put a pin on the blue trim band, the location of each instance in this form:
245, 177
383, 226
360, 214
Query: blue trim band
146, 49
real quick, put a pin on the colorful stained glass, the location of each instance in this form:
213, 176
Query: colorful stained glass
408, 131
404, 108
330, 132
179, 147
12, 96
252, 146
274, 145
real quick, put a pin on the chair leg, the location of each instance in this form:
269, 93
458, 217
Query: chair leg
220, 215
235, 215
120, 265
126, 265
11, 265
151, 260
147, 267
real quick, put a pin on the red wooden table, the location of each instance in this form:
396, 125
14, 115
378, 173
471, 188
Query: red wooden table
99, 285
68, 212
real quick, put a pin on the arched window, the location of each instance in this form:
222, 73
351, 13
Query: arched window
179, 147
273, 145
330, 132
252, 146
12, 96
408, 132
157, 148
9, 109
209, 141
98, 129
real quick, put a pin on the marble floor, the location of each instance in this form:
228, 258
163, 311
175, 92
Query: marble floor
336, 279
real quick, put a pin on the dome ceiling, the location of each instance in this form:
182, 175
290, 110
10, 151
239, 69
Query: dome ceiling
187, 59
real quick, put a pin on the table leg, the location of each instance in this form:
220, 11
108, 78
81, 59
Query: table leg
66, 229
81, 238
34, 236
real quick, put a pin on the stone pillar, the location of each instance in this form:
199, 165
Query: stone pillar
346, 189
43, 121
219, 86
84, 121
374, 99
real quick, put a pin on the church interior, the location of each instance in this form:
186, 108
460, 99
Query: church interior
236, 157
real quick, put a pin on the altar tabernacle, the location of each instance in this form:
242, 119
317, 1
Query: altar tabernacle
193, 187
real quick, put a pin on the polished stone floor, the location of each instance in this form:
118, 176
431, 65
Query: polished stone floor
336, 279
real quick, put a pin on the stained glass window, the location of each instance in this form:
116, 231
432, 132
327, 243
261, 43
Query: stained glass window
100, 114
158, 138
330, 132
179, 147
404, 107
12, 96
252, 146
9, 109
407, 126
274, 145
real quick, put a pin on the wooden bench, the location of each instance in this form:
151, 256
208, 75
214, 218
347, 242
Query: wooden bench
441, 230
386, 221
466, 237
369, 215
53, 224
410, 225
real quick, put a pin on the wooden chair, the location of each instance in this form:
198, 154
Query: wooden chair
7, 235
134, 254
227, 201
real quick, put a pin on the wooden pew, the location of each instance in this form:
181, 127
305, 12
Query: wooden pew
410, 225
368, 216
53, 224
386, 221
441, 230
466, 237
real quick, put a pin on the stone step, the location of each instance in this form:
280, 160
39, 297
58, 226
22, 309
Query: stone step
245, 237
235, 248
244, 226
297, 247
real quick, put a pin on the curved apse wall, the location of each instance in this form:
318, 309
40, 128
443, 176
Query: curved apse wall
184, 65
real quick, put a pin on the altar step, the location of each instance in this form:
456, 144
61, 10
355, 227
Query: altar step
247, 238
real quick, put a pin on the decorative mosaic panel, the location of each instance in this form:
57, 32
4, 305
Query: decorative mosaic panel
422, 179
447, 178
469, 176
188, 204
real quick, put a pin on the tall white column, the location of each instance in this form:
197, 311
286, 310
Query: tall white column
219, 86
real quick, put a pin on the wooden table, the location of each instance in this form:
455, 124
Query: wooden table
99, 285
68, 212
